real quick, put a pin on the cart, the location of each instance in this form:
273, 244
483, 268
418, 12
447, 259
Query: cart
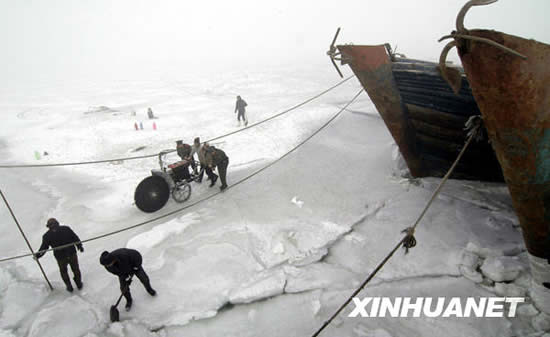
153, 192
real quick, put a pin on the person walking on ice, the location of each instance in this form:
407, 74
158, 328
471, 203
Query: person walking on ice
240, 108
57, 236
217, 158
125, 263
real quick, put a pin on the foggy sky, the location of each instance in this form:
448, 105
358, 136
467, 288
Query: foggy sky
71, 38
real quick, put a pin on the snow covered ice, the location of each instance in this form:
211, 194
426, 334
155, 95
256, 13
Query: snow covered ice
273, 256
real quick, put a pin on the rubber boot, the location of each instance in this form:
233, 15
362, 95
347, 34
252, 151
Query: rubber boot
69, 287
214, 181
151, 291
128, 304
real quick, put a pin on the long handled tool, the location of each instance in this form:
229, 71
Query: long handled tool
115, 316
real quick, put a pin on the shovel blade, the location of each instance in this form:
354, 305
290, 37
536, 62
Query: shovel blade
115, 317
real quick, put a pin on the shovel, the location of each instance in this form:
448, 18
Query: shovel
115, 316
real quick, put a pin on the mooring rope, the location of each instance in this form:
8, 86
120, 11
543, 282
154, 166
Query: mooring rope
209, 140
408, 241
25, 238
200, 200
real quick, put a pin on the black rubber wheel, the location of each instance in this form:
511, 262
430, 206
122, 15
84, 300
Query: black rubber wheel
151, 194
182, 192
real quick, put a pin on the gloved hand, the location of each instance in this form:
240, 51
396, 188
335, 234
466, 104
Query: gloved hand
81, 248
35, 257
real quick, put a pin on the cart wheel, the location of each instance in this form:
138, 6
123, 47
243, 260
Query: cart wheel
181, 192
151, 194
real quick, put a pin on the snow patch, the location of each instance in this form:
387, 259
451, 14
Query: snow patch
509, 290
355, 237
540, 270
471, 274
502, 268
316, 276
315, 307
147, 240
468, 265
59, 320
528, 310
400, 168
265, 284
6, 333
503, 249
20, 300
541, 322
329, 233
297, 202
130, 328
278, 248
363, 331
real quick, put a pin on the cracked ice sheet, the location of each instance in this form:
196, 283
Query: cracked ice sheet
205, 274
248, 228
297, 243
446, 229
19, 300
57, 320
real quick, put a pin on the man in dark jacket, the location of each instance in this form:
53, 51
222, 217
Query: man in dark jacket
240, 106
125, 263
217, 158
184, 152
58, 236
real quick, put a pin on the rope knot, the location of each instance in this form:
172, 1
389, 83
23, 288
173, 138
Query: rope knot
474, 128
409, 241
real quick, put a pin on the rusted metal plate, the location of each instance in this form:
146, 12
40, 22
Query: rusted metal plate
514, 97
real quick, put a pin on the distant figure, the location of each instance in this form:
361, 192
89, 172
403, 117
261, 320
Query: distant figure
58, 236
126, 263
240, 108
216, 157
150, 113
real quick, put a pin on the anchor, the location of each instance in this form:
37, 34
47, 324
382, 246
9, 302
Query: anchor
334, 54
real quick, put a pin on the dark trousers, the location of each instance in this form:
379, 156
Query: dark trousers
222, 170
241, 114
71, 260
204, 168
142, 276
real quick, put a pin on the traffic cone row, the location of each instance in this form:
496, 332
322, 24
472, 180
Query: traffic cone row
140, 126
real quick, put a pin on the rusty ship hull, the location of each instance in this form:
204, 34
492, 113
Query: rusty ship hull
514, 97
425, 118
510, 80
